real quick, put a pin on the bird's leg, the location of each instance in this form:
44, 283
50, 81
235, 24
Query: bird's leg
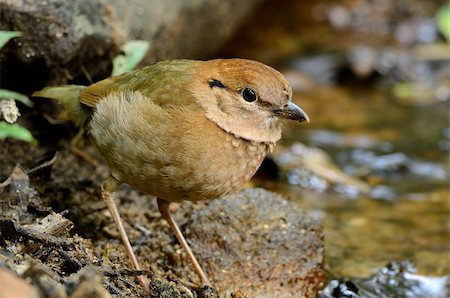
110, 185
164, 210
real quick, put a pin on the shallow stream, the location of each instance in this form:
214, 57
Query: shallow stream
374, 79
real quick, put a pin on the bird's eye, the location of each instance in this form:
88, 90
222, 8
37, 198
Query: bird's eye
249, 95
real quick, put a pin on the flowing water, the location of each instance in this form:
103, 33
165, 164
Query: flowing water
379, 107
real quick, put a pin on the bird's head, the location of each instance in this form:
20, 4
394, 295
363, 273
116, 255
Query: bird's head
246, 98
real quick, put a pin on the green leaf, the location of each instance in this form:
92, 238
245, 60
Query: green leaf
134, 52
119, 65
15, 131
443, 20
5, 36
16, 96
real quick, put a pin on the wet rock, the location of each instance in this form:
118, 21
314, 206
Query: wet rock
258, 244
397, 162
382, 192
331, 139
64, 41
312, 168
341, 289
397, 279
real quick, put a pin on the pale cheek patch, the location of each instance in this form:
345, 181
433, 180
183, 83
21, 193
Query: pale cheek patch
271, 122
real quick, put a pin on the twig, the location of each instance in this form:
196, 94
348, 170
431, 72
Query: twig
42, 237
84, 156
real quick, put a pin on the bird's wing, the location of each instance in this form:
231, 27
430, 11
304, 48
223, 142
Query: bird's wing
163, 83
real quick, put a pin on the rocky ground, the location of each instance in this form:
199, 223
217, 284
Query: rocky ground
57, 235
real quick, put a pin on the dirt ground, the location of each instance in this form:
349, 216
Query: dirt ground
65, 184
59, 235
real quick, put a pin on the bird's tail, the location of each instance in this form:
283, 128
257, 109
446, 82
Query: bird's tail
69, 97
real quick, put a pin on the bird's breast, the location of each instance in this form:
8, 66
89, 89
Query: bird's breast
239, 159
175, 154
211, 162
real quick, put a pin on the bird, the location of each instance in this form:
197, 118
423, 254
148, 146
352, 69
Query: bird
181, 130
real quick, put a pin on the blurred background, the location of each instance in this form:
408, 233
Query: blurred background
373, 77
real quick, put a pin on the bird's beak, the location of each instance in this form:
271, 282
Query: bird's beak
292, 112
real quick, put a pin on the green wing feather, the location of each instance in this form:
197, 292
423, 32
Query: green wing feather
164, 83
